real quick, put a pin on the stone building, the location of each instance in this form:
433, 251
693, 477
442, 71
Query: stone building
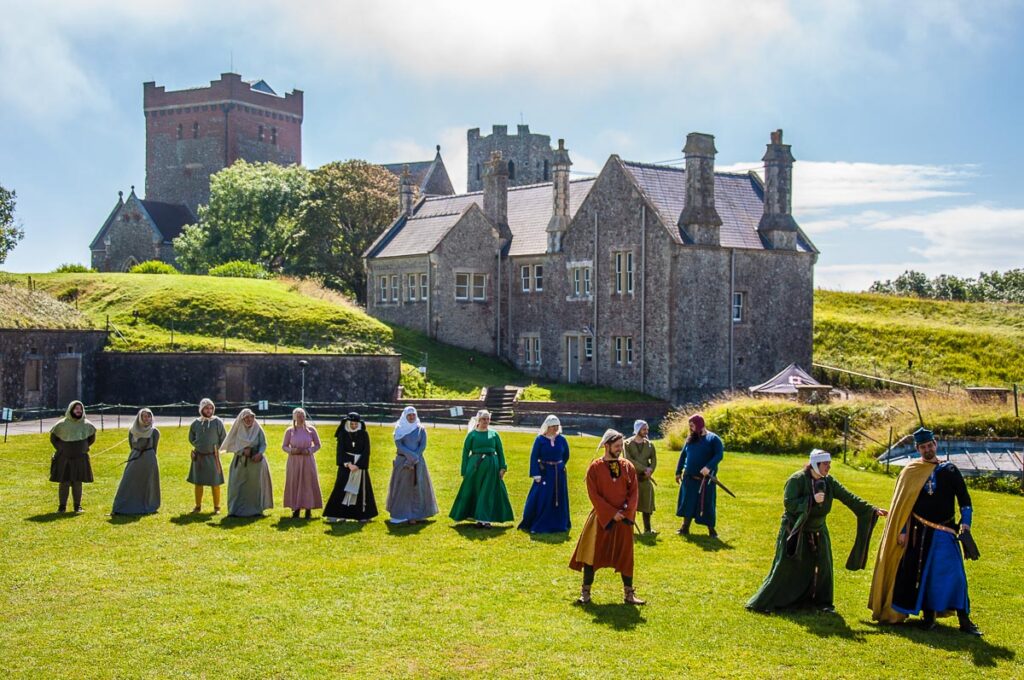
528, 156
46, 368
190, 135
138, 230
429, 178
675, 282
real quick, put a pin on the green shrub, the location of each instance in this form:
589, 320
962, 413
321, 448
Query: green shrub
73, 268
152, 267
69, 294
240, 269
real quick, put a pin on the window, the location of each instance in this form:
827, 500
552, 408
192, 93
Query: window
411, 288
629, 272
423, 286
512, 170
737, 307
629, 351
588, 347
576, 281
623, 355
195, 130
462, 286
536, 351
524, 273
181, 131
394, 287
273, 135
586, 281
531, 350
479, 286
623, 272
538, 277
580, 281
547, 172
383, 289
618, 351
478, 172
260, 134
33, 375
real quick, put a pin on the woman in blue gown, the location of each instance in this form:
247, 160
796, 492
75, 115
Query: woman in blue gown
547, 505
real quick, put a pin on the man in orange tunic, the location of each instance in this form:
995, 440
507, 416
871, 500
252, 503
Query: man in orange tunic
607, 537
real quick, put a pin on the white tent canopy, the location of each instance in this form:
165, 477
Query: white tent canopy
785, 382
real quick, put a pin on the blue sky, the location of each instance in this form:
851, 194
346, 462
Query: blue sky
904, 117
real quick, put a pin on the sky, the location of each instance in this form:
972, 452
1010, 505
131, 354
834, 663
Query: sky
904, 117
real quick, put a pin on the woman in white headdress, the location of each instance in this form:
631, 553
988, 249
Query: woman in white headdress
482, 495
547, 504
250, 491
411, 492
139, 490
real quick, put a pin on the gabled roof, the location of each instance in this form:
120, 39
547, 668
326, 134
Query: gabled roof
169, 218
739, 199
529, 211
430, 176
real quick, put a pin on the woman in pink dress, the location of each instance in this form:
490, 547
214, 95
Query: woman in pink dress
301, 480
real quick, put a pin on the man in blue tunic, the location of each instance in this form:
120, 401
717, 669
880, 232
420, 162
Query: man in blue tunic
920, 569
698, 465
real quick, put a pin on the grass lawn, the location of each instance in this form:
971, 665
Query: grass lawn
202, 596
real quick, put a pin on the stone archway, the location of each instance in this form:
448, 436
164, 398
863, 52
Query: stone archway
129, 263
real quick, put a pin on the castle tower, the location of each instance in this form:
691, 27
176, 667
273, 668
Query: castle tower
191, 134
528, 156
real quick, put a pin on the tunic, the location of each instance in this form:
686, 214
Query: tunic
802, 570
547, 504
301, 479
931, 573
139, 490
697, 495
482, 495
206, 436
70, 461
353, 447
411, 492
642, 456
250, 491
603, 541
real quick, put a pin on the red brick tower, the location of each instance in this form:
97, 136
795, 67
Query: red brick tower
191, 134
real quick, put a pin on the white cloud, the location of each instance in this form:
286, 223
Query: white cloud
453, 150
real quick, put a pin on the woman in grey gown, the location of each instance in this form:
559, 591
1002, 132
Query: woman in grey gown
411, 492
249, 488
139, 490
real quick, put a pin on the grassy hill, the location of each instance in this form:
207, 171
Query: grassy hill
949, 342
22, 308
174, 594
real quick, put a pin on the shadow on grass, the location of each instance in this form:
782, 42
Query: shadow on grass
231, 522
474, 533
345, 528
49, 517
708, 544
406, 529
287, 522
118, 520
186, 518
822, 624
646, 539
983, 653
619, 616
554, 539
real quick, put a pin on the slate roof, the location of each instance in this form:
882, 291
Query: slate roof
529, 210
739, 199
169, 218
430, 176
418, 170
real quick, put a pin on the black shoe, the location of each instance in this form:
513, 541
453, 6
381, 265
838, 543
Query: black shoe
309, 514
928, 622
827, 609
969, 628
295, 514
79, 510
712, 533
62, 508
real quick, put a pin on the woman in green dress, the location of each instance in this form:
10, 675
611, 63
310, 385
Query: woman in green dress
802, 571
482, 496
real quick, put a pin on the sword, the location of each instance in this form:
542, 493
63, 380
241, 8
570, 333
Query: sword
714, 480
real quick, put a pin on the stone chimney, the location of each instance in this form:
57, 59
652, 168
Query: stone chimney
406, 193
560, 190
699, 218
496, 191
777, 225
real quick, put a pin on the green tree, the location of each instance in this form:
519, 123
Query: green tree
251, 216
10, 234
948, 287
348, 205
913, 284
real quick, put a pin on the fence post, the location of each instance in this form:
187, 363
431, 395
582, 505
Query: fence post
1016, 406
888, 454
101, 421
846, 435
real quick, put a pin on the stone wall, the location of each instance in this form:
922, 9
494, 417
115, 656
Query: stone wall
130, 239
163, 378
404, 312
530, 154
63, 362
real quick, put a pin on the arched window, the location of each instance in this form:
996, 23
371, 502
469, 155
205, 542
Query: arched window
511, 170
195, 130
547, 173
129, 263
180, 131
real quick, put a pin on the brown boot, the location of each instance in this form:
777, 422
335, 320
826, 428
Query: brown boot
584, 597
629, 596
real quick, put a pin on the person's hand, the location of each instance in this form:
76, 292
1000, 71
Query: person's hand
647, 473
881, 512
679, 479
901, 539
257, 458
819, 497
965, 528
501, 474
536, 480
705, 471
619, 517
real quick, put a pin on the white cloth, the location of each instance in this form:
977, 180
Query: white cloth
548, 422
403, 426
355, 480
203, 403
479, 414
639, 425
138, 430
609, 435
241, 437
820, 456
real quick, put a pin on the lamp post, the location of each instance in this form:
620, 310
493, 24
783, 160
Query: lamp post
302, 395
